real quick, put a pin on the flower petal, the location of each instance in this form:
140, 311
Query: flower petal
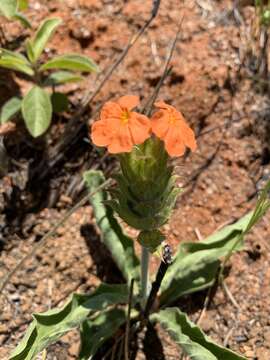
174, 144
128, 102
121, 140
162, 105
187, 135
100, 133
140, 127
110, 110
160, 123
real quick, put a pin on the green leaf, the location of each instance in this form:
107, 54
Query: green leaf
59, 102
120, 245
15, 61
29, 51
48, 327
190, 337
71, 62
8, 8
62, 77
96, 331
23, 4
37, 111
196, 264
43, 34
23, 19
10, 109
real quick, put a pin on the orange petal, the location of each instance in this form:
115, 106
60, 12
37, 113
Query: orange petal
140, 127
186, 133
121, 140
128, 102
100, 134
160, 123
174, 144
162, 105
110, 110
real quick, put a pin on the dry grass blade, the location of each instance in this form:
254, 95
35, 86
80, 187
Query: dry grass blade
167, 69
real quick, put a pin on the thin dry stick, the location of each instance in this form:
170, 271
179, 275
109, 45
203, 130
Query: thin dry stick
113, 351
128, 319
121, 348
148, 107
229, 294
21, 262
90, 97
206, 304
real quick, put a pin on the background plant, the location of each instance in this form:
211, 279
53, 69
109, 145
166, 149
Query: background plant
12, 10
38, 104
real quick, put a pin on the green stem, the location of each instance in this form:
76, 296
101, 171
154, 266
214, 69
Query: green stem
144, 276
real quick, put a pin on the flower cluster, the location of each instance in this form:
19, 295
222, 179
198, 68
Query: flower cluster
120, 128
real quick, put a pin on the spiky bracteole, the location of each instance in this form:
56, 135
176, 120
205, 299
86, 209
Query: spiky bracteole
146, 192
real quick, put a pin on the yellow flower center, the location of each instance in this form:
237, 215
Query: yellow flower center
125, 116
172, 119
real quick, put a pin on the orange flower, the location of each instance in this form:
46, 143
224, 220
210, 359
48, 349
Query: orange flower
119, 128
169, 125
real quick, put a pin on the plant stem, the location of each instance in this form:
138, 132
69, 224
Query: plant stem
155, 288
128, 320
144, 276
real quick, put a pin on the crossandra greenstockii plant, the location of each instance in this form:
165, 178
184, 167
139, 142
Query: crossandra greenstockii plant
38, 105
143, 196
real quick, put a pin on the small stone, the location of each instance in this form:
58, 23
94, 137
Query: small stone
74, 349
250, 354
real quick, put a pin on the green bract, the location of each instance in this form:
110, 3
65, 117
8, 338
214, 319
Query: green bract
146, 193
151, 240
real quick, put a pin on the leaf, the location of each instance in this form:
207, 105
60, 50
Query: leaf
71, 62
120, 245
42, 36
96, 331
29, 51
15, 61
37, 111
48, 327
23, 19
196, 264
8, 8
10, 109
59, 102
62, 77
23, 4
190, 337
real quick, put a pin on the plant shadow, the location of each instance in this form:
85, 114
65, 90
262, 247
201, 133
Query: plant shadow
106, 269
152, 345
